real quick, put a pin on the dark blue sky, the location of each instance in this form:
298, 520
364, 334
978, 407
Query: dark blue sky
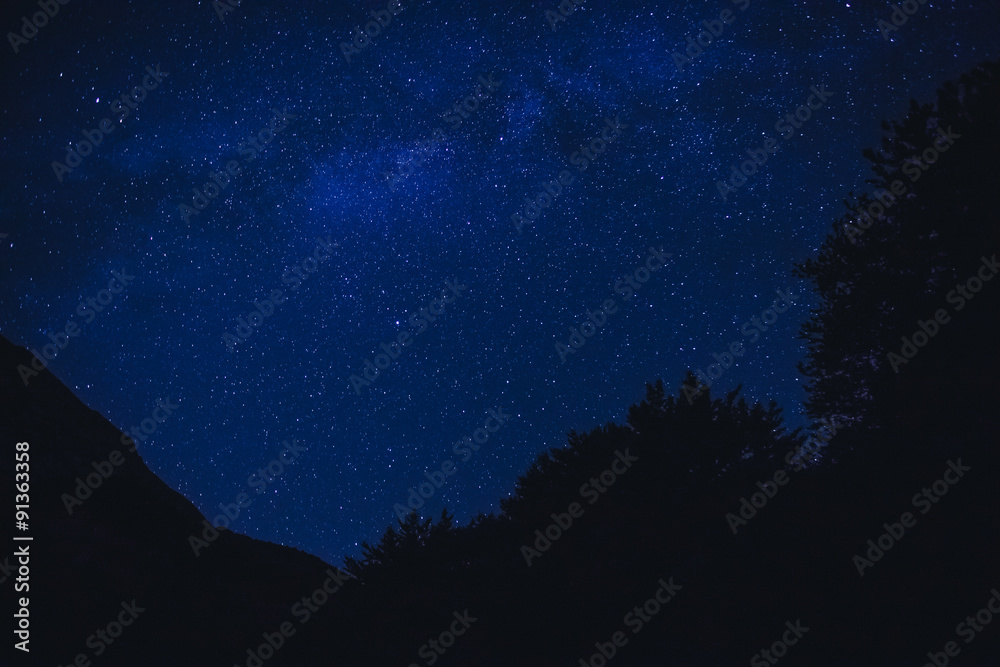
323, 173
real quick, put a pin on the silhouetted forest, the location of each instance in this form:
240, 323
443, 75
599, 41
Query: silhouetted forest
666, 516
679, 470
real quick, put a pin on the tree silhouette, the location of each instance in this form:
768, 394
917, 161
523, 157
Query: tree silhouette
875, 284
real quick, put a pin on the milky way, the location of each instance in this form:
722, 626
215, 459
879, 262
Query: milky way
434, 207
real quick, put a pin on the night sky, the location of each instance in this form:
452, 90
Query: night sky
363, 188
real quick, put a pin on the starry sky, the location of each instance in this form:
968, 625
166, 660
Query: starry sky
378, 161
